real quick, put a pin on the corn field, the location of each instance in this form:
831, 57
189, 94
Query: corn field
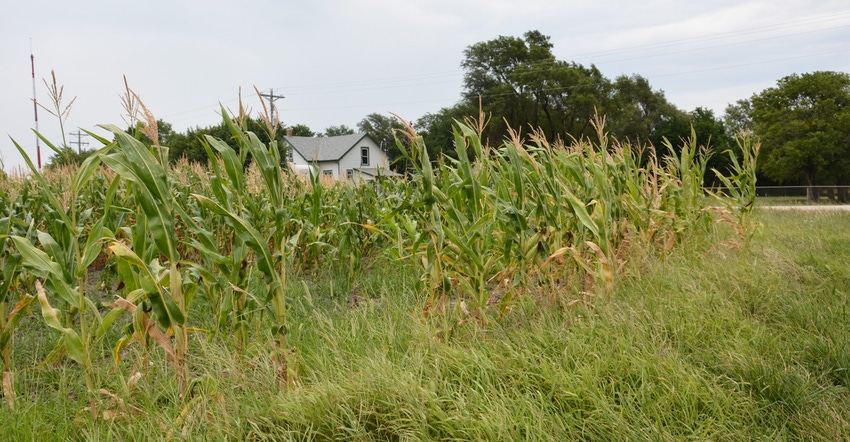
129, 251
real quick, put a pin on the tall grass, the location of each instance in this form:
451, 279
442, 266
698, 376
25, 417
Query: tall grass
701, 345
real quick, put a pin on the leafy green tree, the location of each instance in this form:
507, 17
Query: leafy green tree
436, 129
738, 117
522, 85
500, 71
334, 131
804, 126
638, 113
301, 130
68, 157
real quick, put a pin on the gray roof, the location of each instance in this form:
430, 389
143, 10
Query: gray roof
324, 148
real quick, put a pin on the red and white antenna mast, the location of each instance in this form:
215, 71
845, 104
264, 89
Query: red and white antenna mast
35, 107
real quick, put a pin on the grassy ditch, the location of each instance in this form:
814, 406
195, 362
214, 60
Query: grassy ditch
704, 343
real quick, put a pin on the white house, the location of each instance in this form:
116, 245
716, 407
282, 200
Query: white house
355, 157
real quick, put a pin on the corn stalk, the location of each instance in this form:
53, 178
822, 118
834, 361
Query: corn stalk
163, 286
269, 244
63, 265
9, 319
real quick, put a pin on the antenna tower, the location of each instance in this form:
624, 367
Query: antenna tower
35, 108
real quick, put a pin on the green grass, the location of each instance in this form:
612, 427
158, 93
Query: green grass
705, 343
791, 201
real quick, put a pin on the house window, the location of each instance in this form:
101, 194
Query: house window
329, 173
364, 156
289, 156
349, 173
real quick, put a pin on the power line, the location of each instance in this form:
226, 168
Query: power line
272, 98
721, 35
417, 80
683, 51
412, 80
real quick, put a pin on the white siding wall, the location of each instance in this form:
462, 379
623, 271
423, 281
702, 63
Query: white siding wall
297, 159
351, 160
333, 167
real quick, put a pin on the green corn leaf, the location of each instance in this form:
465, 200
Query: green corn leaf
83, 175
94, 243
147, 280
49, 144
55, 252
37, 259
42, 266
44, 186
136, 163
64, 291
232, 164
253, 237
10, 269
116, 312
167, 311
98, 138
580, 211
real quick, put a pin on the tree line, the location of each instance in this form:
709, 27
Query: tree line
803, 123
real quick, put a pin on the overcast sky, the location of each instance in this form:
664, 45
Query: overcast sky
336, 61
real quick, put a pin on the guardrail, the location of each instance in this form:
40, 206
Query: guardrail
799, 194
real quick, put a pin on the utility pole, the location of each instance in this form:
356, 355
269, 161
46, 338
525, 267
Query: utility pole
79, 141
272, 97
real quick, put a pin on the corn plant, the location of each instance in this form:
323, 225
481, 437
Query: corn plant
504, 217
740, 186
9, 318
165, 290
62, 263
270, 245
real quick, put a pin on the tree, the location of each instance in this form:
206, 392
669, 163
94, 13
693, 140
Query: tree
804, 126
301, 130
522, 85
499, 71
334, 131
638, 112
710, 133
68, 157
738, 117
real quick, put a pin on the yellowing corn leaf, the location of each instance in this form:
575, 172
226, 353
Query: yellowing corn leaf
72, 342
143, 326
13, 318
606, 270
9, 389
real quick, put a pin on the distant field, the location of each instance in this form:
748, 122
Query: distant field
787, 196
